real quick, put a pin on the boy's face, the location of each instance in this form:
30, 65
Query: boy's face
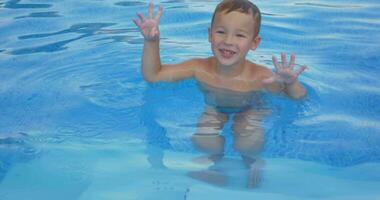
231, 36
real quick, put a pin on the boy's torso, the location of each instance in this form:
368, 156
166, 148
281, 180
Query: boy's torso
249, 80
234, 94
225, 100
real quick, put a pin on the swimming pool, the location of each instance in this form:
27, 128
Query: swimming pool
77, 121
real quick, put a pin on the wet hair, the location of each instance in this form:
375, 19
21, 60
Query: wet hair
243, 6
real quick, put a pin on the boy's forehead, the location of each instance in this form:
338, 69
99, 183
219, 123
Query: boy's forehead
234, 17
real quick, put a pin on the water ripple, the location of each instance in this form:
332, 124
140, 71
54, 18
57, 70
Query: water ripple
356, 122
40, 15
82, 28
327, 5
85, 29
15, 147
115, 94
14, 4
53, 47
130, 3
91, 86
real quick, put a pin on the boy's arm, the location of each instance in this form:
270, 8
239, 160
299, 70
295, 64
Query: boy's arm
285, 78
152, 68
294, 90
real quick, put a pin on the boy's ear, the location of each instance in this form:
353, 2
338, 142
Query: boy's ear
255, 42
209, 34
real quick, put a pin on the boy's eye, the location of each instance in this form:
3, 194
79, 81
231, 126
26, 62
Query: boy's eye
220, 32
240, 35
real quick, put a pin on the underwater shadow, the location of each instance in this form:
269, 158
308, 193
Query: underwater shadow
156, 137
14, 148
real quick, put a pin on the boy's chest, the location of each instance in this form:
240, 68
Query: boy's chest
233, 84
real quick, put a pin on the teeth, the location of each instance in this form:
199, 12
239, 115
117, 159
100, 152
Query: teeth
227, 52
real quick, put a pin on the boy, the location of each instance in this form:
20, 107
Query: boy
227, 79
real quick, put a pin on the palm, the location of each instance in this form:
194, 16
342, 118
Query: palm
149, 26
285, 73
149, 29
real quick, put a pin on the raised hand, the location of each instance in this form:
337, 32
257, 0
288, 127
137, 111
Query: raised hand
285, 73
149, 27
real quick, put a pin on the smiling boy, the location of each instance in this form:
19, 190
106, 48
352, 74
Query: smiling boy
228, 80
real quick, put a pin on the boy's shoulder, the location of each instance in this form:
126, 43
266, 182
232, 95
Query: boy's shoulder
198, 62
207, 65
203, 64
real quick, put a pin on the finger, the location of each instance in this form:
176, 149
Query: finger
159, 13
142, 18
283, 59
275, 63
150, 10
292, 61
300, 70
137, 23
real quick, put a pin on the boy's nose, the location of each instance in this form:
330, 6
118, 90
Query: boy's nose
229, 39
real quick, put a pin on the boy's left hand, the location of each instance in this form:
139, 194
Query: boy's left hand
285, 73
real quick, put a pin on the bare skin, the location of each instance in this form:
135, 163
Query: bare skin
241, 75
232, 36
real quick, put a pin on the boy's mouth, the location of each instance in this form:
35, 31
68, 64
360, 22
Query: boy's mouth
226, 53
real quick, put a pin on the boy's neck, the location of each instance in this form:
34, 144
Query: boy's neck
230, 71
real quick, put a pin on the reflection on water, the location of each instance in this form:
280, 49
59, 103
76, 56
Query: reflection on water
130, 3
86, 29
330, 52
70, 72
57, 46
40, 14
327, 5
14, 4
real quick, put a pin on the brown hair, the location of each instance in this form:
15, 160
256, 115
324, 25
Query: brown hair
243, 6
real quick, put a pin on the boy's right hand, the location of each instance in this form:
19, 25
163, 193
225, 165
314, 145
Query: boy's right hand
149, 27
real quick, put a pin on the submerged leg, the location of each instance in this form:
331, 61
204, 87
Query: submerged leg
207, 138
249, 141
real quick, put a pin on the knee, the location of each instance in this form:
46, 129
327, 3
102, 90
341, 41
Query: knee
249, 145
213, 144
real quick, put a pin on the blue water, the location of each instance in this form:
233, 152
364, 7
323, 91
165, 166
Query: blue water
77, 121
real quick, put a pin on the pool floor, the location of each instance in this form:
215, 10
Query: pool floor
120, 169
